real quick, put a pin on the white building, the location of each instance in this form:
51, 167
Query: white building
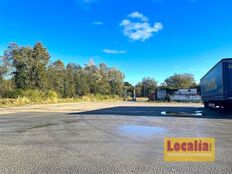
186, 95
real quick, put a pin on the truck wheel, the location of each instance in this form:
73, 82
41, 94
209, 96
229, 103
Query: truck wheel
206, 105
227, 106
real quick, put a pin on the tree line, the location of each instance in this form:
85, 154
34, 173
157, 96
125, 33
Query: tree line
30, 68
24, 68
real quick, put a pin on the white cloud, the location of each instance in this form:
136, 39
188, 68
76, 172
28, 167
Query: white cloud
97, 23
141, 29
109, 51
138, 16
125, 22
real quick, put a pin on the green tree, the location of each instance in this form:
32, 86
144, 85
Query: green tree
116, 79
104, 86
71, 81
178, 81
22, 62
129, 88
56, 76
38, 73
6, 71
6, 61
138, 89
147, 86
30, 66
94, 78
84, 88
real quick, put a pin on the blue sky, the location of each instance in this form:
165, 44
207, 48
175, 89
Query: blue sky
154, 38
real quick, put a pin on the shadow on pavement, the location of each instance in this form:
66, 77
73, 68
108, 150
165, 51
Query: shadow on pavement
156, 112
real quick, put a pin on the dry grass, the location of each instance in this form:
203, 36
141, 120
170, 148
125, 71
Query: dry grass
25, 100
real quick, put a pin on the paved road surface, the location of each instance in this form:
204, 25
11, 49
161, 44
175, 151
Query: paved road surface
115, 140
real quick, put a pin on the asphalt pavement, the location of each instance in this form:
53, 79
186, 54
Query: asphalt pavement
113, 140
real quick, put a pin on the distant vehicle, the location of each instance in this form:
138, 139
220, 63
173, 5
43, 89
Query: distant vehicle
216, 85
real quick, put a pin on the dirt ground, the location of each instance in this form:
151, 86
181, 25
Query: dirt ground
85, 106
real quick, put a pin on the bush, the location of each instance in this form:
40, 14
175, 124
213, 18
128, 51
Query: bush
33, 95
99, 97
18, 101
21, 97
52, 96
22, 100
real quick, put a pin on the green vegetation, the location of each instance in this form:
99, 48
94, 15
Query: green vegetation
146, 87
28, 76
37, 97
180, 81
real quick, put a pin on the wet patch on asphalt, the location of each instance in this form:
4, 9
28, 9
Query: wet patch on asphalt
171, 113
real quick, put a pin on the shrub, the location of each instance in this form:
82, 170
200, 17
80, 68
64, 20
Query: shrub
52, 96
33, 95
22, 100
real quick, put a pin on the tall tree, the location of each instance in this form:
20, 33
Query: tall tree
129, 88
147, 86
6, 71
40, 59
6, 61
138, 89
104, 86
178, 81
30, 67
71, 81
22, 61
84, 87
56, 76
94, 78
116, 79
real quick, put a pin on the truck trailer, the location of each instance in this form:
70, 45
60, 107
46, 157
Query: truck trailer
216, 85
